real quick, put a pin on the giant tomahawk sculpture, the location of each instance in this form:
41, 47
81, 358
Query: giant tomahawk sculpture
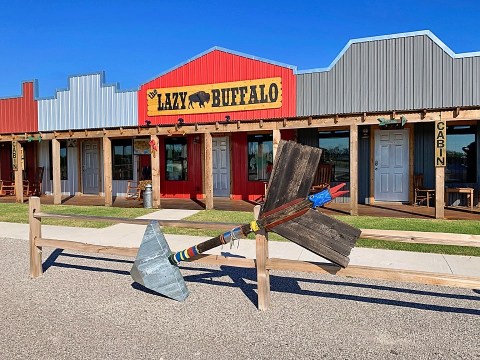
288, 211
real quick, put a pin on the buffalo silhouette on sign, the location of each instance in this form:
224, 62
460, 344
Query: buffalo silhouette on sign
200, 97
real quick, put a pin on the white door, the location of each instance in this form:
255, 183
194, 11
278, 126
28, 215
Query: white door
90, 167
391, 165
221, 166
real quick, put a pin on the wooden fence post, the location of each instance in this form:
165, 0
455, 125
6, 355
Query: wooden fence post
35, 233
263, 274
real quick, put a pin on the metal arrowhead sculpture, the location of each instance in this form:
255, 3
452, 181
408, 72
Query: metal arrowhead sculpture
287, 211
152, 268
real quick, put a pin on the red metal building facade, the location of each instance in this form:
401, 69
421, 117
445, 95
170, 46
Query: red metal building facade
219, 67
216, 67
18, 115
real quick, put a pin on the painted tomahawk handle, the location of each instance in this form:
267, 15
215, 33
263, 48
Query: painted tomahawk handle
271, 219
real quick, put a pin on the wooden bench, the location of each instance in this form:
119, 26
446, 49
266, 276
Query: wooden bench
468, 191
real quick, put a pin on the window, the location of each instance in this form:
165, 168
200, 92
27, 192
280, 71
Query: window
176, 159
260, 157
461, 154
63, 160
122, 159
335, 147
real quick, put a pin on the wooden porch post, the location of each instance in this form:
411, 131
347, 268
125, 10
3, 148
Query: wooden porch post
276, 139
107, 170
439, 192
18, 172
208, 172
354, 169
263, 274
440, 163
35, 233
155, 165
57, 189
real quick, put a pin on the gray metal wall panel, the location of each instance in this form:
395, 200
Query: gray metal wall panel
88, 103
382, 75
405, 73
364, 83
372, 75
356, 79
409, 74
467, 81
339, 84
347, 83
331, 91
301, 98
447, 71
315, 95
457, 86
476, 82
418, 71
391, 85
437, 78
427, 82
399, 70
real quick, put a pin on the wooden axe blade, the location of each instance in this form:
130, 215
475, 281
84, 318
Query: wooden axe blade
321, 234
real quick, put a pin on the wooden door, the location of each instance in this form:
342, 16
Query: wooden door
221, 166
90, 164
391, 165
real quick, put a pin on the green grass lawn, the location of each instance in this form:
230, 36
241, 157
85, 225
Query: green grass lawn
18, 213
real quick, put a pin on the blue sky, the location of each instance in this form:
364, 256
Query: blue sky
133, 41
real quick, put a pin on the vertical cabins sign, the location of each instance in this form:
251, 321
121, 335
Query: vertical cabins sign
440, 144
220, 97
14, 156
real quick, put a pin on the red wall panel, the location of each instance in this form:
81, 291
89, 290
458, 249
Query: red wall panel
19, 114
242, 188
216, 67
192, 187
30, 162
5, 161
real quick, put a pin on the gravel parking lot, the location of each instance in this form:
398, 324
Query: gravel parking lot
86, 307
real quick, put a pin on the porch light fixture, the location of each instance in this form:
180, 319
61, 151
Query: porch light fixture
180, 121
148, 122
227, 118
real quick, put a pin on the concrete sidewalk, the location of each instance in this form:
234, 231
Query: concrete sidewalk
127, 235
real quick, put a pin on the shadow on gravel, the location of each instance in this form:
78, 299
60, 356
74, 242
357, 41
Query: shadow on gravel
245, 280
52, 261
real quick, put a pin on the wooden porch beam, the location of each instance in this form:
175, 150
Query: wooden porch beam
155, 166
208, 171
353, 169
57, 188
107, 170
335, 120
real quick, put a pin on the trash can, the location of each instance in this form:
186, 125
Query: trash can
147, 197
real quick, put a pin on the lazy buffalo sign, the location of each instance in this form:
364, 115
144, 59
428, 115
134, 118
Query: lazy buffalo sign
220, 97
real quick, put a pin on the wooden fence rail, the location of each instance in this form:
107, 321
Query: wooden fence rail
262, 263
